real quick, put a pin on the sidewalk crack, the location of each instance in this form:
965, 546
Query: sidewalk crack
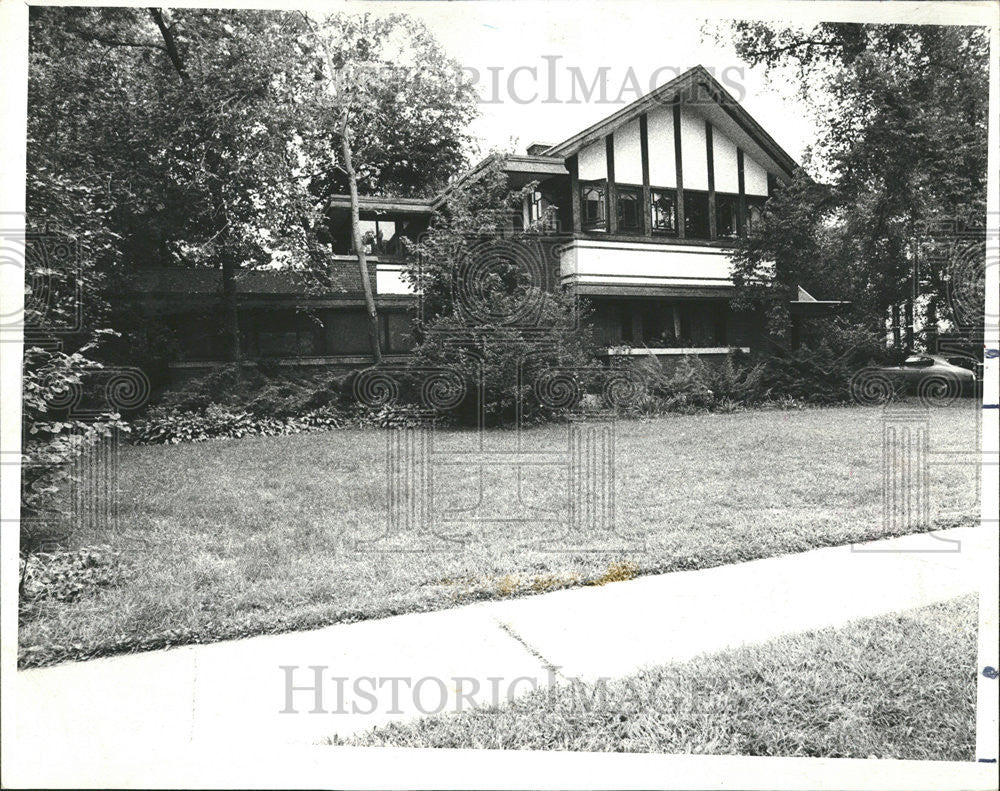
554, 669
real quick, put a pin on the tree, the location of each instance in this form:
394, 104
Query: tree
486, 315
394, 103
167, 137
215, 138
901, 112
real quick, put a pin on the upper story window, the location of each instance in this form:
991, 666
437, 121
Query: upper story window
629, 200
755, 211
381, 237
538, 205
696, 225
592, 205
726, 207
663, 214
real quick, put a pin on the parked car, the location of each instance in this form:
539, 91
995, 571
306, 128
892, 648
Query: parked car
932, 377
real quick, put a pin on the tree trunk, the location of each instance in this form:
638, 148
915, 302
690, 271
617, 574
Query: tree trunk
897, 338
373, 333
931, 324
909, 324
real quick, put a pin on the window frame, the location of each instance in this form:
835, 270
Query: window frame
670, 192
735, 198
689, 201
634, 192
601, 186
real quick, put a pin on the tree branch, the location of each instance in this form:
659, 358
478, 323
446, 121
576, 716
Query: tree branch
89, 35
760, 54
170, 43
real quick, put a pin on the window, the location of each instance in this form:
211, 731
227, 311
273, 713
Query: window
726, 224
917, 361
664, 211
755, 211
538, 205
629, 217
285, 343
396, 332
696, 215
592, 205
379, 237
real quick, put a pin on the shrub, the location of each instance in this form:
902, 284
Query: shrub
165, 425
545, 368
259, 390
694, 384
53, 438
820, 370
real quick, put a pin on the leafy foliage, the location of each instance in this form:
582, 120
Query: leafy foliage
53, 439
505, 325
164, 425
902, 116
67, 576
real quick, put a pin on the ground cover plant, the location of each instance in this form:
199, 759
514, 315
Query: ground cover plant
229, 538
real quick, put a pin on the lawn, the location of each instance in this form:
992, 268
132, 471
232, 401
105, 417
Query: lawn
900, 686
231, 538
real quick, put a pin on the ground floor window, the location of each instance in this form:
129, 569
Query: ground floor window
396, 332
662, 323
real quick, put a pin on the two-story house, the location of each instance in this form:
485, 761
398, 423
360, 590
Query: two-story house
650, 201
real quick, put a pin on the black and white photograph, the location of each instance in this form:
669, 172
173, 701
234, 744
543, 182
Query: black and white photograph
500, 394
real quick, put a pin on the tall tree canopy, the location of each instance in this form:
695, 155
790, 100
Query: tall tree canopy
196, 137
902, 116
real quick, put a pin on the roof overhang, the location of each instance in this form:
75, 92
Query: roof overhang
522, 168
807, 306
367, 203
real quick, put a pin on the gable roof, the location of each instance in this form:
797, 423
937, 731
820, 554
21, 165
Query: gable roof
695, 83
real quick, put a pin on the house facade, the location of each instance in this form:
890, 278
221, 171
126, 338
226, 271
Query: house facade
649, 201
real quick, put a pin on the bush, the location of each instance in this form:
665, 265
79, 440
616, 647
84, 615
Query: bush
820, 371
545, 369
694, 384
260, 391
171, 425
53, 437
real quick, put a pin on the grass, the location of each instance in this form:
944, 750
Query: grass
901, 686
233, 538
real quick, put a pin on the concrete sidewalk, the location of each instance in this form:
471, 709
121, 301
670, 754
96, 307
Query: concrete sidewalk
233, 693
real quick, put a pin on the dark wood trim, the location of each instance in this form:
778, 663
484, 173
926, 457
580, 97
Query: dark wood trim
679, 166
671, 91
655, 239
741, 205
611, 194
573, 164
710, 153
647, 202
772, 184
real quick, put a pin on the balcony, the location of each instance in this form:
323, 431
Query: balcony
614, 267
